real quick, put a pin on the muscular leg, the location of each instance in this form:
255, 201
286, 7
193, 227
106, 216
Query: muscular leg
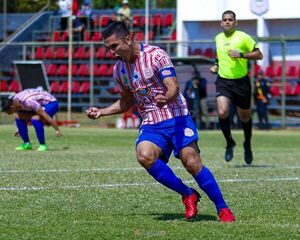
148, 156
223, 104
22, 119
192, 162
39, 128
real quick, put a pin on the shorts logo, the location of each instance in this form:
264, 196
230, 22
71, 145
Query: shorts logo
188, 132
166, 73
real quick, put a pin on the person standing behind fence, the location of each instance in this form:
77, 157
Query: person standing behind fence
65, 10
234, 49
124, 13
262, 96
37, 107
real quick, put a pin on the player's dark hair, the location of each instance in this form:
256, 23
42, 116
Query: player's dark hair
6, 104
229, 12
118, 28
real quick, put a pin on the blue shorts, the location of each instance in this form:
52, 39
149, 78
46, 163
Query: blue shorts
170, 135
51, 108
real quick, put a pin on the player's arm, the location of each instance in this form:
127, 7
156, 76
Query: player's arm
172, 93
256, 54
214, 68
49, 120
120, 106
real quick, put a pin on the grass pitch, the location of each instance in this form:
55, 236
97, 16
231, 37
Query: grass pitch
89, 186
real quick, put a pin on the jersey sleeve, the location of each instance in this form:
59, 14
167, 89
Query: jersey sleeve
250, 43
120, 80
163, 65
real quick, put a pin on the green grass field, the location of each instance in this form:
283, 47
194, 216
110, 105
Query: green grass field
90, 186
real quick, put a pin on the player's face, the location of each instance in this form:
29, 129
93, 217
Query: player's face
120, 48
228, 22
13, 108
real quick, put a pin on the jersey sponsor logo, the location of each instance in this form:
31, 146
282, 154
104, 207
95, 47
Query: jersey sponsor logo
136, 76
125, 79
143, 91
188, 132
148, 73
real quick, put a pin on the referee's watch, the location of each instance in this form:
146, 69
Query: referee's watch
241, 55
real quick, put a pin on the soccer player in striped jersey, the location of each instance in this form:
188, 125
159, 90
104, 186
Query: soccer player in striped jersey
36, 106
145, 76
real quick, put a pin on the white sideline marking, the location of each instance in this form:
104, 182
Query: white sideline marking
116, 185
120, 169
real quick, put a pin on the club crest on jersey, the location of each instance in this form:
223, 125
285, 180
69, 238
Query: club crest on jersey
136, 76
188, 132
148, 72
143, 91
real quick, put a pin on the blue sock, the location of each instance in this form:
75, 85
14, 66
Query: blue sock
209, 185
23, 130
39, 130
162, 173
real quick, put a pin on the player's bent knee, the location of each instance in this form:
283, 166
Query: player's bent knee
145, 158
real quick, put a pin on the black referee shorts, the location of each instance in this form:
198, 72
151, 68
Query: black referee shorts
237, 90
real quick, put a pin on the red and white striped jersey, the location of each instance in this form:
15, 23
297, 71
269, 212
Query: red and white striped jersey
142, 78
33, 99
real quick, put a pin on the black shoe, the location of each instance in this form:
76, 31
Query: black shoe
248, 156
229, 151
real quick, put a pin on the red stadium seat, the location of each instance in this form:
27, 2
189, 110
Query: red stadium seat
56, 36
39, 53
62, 70
168, 19
63, 88
83, 70
197, 51
85, 87
75, 87
100, 53
110, 70
292, 72
61, 53
80, 53
54, 87
137, 21
269, 72
51, 69
64, 36
87, 36
157, 20
97, 36
103, 21
296, 90
49, 54
3, 86
275, 89
74, 70
278, 72
139, 36
209, 52
288, 89
103, 69
14, 86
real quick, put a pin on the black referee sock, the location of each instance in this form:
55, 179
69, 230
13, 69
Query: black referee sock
225, 127
247, 127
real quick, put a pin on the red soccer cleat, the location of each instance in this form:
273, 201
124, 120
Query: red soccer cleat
226, 215
190, 203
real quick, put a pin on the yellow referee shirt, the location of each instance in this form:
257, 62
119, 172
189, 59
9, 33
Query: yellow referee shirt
233, 68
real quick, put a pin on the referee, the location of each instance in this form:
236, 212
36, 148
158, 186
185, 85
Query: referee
234, 48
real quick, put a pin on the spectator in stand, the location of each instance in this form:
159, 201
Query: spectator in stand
262, 96
124, 13
86, 15
37, 107
65, 10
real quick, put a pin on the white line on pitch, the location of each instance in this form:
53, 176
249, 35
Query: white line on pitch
116, 185
121, 169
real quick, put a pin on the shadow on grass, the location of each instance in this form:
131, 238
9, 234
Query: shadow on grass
175, 216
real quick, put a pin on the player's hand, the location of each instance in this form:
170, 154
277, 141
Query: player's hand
58, 133
161, 100
234, 53
214, 69
93, 113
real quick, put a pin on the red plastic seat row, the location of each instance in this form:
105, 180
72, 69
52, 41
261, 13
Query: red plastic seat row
13, 86
79, 70
77, 87
291, 72
158, 20
276, 89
